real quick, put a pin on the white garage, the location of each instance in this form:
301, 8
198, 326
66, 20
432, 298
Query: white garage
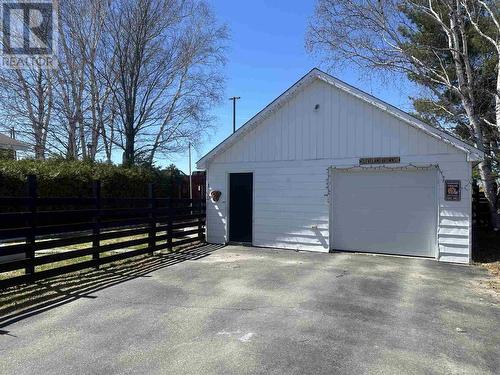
327, 167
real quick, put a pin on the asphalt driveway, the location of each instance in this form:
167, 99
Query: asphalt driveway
260, 311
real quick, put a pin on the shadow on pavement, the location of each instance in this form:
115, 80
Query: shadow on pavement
26, 300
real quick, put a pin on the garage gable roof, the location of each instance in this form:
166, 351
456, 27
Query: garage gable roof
473, 154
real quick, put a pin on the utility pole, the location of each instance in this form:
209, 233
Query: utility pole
190, 175
13, 136
234, 99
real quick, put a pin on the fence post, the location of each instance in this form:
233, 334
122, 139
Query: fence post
201, 236
96, 231
170, 222
31, 238
152, 217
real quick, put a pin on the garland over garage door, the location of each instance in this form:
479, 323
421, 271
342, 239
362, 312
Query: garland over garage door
385, 211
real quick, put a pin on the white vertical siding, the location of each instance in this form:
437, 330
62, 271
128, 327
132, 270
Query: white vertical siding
290, 153
344, 126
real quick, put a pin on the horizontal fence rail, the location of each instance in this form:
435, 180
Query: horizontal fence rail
85, 232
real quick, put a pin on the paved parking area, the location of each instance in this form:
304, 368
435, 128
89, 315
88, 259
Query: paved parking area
260, 311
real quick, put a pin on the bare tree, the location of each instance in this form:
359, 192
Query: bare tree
79, 97
136, 75
167, 73
107, 118
384, 36
26, 98
100, 98
69, 88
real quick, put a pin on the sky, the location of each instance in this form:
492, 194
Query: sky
266, 56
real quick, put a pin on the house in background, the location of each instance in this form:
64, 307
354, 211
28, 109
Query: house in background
9, 147
198, 185
329, 167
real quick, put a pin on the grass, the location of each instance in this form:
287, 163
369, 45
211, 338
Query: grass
7, 275
487, 255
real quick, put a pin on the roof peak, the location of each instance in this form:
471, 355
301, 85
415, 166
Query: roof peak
316, 73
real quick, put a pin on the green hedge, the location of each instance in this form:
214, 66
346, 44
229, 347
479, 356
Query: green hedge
63, 178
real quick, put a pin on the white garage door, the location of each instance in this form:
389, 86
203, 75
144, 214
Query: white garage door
392, 212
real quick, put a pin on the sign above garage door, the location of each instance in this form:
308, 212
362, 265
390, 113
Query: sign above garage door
380, 160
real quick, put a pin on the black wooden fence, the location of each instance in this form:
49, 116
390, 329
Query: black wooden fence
41, 232
480, 210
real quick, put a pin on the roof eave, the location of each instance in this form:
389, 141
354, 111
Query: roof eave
265, 112
17, 147
477, 156
473, 154
401, 115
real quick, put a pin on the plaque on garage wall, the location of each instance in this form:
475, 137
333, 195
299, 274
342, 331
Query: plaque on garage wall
380, 160
452, 190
